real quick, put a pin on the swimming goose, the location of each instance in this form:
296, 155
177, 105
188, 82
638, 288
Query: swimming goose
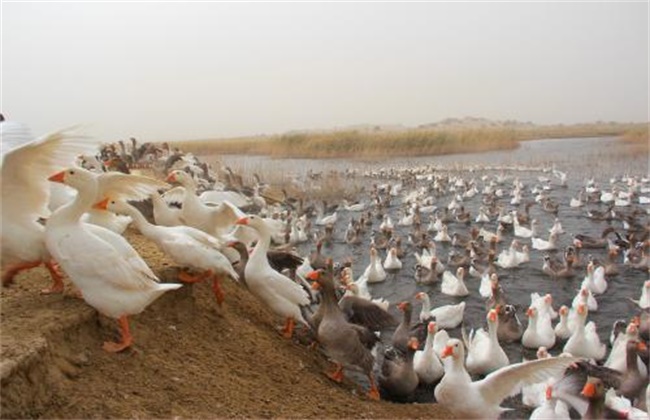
280, 293
592, 242
426, 363
25, 196
524, 232
110, 274
374, 273
509, 329
584, 341
446, 317
557, 227
551, 408
644, 299
595, 279
542, 245
392, 262
539, 332
188, 247
427, 275
562, 330
346, 343
442, 235
482, 399
485, 354
617, 358
454, 285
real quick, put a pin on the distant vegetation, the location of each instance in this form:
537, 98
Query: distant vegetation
638, 138
449, 136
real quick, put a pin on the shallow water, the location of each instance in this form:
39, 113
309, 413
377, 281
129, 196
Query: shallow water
600, 158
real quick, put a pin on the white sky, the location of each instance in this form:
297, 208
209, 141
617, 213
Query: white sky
169, 71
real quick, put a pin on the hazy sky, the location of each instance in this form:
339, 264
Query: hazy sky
166, 71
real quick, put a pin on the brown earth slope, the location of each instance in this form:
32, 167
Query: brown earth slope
191, 359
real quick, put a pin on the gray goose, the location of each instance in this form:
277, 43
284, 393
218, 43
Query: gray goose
398, 378
346, 343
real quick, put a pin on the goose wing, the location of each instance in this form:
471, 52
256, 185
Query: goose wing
508, 380
29, 192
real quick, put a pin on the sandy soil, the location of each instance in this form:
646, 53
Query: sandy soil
191, 359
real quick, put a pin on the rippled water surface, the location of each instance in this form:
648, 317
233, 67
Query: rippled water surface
599, 159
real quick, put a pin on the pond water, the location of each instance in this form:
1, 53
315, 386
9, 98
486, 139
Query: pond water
598, 158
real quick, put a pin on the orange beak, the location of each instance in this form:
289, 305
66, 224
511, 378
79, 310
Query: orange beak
401, 306
315, 285
414, 343
171, 177
57, 177
313, 275
549, 392
642, 346
431, 327
242, 221
447, 351
582, 309
492, 315
589, 390
101, 205
530, 312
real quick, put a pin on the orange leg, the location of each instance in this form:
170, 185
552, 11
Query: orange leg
8, 276
218, 291
187, 278
126, 339
57, 278
337, 375
373, 394
287, 331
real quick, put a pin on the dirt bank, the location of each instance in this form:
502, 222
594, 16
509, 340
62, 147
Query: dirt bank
191, 359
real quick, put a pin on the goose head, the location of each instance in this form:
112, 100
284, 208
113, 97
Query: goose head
455, 349
74, 177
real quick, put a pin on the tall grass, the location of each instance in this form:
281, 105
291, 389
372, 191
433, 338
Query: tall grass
377, 144
637, 139
364, 145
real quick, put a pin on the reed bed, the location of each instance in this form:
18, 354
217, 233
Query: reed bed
381, 144
637, 140
363, 145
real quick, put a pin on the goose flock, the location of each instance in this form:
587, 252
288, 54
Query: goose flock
418, 281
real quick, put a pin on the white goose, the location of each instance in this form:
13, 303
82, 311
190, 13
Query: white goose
595, 279
442, 235
280, 293
584, 341
522, 231
644, 300
454, 285
163, 214
426, 363
187, 246
214, 220
539, 332
25, 196
374, 273
446, 317
392, 262
485, 354
110, 274
482, 399
562, 330
542, 245
617, 357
